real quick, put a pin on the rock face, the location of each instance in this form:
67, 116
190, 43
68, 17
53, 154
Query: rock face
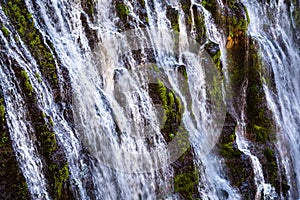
245, 80
12, 181
237, 165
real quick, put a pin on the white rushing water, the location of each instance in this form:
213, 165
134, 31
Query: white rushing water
20, 129
117, 121
271, 25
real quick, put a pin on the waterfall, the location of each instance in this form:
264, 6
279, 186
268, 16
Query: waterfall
280, 52
150, 99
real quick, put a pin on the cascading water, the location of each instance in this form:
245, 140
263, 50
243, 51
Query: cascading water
126, 99
277, 37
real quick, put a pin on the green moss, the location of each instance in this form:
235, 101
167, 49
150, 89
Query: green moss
185, 183
12, 181
45, 136
210, 5
247, 65
200, 26
236, 168
175, 25
186, 177
56, 175
173, 16
172, 107
51, 122
185, 7
233, 19
232, 4
2, 110
147, 19
91, 9
19, 15
260, 122
52, 154
214, 51
296, 13
27, 85
21, 186
122, 11
38, 77
155, 68
261, 133
3, 140
237, 26
60, 177
5, 30
227, 149
48, 142
217, 61
182, 70
247, 15
271, 165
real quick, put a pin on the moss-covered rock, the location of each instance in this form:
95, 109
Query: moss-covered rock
173, 16
185, 6
238, 167
51, 153
246, 71
186, 177
193, 13
26, 83
233, 19
186, 183
214, 51
122, 11
260, 123
22, 20
172, 108
296, 12
12, 182
200, 27
210, 5
89, 7
5, 30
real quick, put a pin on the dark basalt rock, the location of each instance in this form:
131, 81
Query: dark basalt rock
90, 33
89, 8
186, 175
52, 154
173, 16
12, 182
214, 51
200, 27
238, 168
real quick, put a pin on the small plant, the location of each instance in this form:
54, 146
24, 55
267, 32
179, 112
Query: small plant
39, 78
51, 122
186, 183
5, 30
122, 11
27, 85
2, 110
20, 17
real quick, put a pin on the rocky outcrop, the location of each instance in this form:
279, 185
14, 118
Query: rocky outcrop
12, 182
238, 166
186, 176
245, 70
55, 165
